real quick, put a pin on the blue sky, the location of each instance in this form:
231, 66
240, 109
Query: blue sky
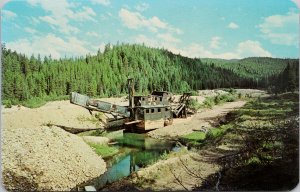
228, 29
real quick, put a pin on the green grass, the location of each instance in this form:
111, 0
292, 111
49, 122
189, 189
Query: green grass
194, 138
217, 132
104, 150
262, 123
197, 138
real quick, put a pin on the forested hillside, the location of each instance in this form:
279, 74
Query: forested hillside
105, 74
252, 67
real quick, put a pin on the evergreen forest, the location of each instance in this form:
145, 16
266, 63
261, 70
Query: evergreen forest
105, 74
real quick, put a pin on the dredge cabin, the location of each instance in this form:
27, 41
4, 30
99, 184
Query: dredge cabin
152, 112
149, 112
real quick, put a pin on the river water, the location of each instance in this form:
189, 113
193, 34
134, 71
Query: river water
135, 151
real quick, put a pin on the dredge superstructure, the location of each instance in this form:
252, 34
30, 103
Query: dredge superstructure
143, 113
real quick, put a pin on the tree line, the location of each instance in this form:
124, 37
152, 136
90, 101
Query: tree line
105, 73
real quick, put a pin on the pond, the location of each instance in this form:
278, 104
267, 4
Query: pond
135, 151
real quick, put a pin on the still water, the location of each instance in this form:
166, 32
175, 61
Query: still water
136, 151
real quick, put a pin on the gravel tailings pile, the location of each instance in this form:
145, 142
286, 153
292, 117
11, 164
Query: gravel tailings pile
47, 158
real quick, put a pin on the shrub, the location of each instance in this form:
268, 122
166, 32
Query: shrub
217, 132
7, 103
193, 104
209, 102
194, 93
214, 133
34, 102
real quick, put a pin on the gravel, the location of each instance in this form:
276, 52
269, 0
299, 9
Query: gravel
47, 158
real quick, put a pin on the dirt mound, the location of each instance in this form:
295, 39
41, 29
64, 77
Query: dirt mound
47, 158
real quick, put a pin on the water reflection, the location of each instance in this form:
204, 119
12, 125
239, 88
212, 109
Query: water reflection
136, 151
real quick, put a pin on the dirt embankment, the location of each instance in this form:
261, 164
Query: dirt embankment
176, 173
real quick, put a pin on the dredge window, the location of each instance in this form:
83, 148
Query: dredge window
152, 110
159, 110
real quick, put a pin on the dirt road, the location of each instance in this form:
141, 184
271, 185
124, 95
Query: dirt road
207, 119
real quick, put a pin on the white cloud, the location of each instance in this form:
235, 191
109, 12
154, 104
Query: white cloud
101, 2
281, 29
86, 14
146, 40
101, 47
8, 14
61, 13
215, 42
252, 48
50, 44
142, 7
61, 25
297, 2
232, 25
134, 20
30, 30
92, 34
167, 37
244, 49
33, 20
